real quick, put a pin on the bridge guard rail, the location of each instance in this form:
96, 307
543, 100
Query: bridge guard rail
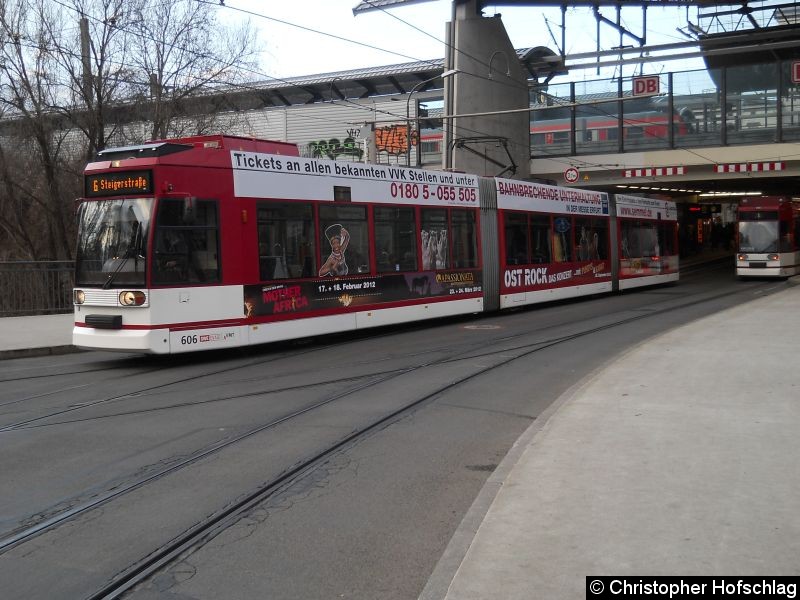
36, 287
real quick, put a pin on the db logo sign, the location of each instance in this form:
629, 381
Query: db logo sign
646, 86
796, 72
571, 175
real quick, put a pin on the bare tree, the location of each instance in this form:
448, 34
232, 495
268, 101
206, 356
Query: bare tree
18, 209
183, 52
76, 73
28, 92
92, 60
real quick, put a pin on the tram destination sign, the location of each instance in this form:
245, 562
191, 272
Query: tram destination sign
118, 183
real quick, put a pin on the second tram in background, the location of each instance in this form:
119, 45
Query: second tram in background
217, 242
768, 237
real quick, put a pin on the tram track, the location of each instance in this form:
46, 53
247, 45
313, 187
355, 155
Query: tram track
27, 423
139, 392
143, 390
204, 530
128, 362
121, 364
296, 351
17, 537
62, 374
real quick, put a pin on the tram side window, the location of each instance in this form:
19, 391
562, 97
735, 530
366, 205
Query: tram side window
562, 245
285, 240
541, 238
516, 232
344, 240
186, 242
395, 239
435, 253
464, 233
591, 239
639, 239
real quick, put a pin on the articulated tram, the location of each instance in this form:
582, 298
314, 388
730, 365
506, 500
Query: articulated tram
219, 241
768, 237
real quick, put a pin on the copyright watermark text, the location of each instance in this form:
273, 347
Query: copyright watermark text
678, 588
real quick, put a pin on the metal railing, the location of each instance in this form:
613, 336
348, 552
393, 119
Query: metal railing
36, 287
734, 105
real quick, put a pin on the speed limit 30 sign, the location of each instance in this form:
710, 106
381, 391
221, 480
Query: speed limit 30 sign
571, 175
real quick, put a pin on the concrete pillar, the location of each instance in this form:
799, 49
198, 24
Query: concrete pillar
490, 79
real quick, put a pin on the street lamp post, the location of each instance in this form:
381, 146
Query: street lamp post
447, 73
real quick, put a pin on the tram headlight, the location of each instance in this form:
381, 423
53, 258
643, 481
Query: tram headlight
131, 298
773, 257
741, 257
78, 296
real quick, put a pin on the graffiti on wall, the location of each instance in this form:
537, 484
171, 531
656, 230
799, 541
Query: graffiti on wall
334, 148
394, 139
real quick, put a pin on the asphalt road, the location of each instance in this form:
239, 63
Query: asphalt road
107, 457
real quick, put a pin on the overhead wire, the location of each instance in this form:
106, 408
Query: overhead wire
259, 73
372, 110
309, 29
488, 65
434, 63
232, 85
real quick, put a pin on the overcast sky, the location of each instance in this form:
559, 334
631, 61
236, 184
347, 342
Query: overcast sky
416, 32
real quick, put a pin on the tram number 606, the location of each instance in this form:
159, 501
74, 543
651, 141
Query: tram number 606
188, 339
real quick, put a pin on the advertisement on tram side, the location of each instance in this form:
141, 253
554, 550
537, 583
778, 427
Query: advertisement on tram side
522, 195
647, 266
523, 279
295, 178
635, 207
292, 298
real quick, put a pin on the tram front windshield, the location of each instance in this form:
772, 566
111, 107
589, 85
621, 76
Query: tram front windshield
758, 231
112, 242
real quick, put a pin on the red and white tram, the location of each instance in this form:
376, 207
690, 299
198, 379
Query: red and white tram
217, 241
768, 237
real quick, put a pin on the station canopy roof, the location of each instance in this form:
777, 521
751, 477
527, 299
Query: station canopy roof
367, 82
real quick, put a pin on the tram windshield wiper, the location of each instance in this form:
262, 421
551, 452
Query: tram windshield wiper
114, 273
131, 250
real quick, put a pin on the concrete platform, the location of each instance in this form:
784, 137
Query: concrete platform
652, 466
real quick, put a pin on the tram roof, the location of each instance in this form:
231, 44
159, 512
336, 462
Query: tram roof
142, 151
